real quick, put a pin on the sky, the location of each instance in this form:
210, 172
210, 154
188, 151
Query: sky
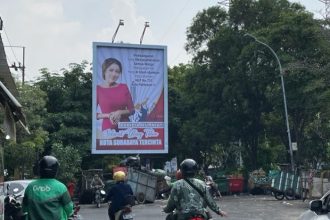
56, 33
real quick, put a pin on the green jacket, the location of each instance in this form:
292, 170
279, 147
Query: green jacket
47, 199
186, 201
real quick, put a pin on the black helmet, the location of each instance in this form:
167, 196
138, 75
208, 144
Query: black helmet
188, 168
48, 167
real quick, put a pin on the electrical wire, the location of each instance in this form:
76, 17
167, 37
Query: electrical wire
10, 45
175, 19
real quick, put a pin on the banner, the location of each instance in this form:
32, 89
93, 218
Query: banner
130, 113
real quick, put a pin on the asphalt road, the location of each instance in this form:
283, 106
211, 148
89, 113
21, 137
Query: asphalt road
241, 207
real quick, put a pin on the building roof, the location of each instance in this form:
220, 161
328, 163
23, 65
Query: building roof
8, 92
5, 74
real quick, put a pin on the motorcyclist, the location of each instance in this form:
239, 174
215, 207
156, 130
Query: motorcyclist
120, 195
185, 200
97, 182
214, 187
47, 198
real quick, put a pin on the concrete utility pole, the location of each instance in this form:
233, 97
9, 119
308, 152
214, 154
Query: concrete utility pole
1, 24
327, 8
20, 66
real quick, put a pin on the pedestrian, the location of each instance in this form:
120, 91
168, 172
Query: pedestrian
189, 196
47, 198
71, 185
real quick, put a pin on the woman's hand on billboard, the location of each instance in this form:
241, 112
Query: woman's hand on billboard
115, 117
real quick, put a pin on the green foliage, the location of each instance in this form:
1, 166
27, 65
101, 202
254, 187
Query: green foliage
20, 157
227, 102
69, 108
233, 91
69, 159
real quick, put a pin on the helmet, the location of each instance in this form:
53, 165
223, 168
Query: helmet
119, 176
188, 168
48, 167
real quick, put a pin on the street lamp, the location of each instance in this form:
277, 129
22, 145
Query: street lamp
146, 24
284, 97
121, 23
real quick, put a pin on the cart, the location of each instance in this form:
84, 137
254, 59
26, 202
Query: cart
288, 185
144, 185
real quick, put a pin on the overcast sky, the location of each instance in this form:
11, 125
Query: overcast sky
58, 32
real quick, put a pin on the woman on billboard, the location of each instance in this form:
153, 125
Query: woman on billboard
114, 99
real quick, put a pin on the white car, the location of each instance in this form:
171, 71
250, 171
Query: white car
319, 209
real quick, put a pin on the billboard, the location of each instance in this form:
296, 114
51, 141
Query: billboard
130, 110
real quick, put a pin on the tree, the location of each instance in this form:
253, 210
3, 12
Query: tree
233, 89
21, 157
70, 161
69, 106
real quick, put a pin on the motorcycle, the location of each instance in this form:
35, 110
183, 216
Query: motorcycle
75, 215
213, 189
13, 209
194, 217
99, 195
125, 213
197, 218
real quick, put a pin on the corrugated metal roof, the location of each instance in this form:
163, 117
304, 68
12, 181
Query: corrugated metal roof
5, 74
8, 92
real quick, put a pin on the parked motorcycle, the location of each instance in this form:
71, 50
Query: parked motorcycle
13, 209
99, 196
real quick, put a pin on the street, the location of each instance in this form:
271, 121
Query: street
244, 207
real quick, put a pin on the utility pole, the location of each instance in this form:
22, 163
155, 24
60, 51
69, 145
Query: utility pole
327, 8
1, 24
20, 66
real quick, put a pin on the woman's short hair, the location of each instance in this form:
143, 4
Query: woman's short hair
108, 62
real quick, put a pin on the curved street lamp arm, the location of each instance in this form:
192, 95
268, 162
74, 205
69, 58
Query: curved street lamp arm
284, 96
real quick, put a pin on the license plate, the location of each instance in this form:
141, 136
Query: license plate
127, 216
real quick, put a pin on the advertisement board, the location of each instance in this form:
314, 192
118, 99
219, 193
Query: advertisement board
130, 110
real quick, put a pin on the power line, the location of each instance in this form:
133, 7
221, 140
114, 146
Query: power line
327, 8
175, 19
10, 45
13, 65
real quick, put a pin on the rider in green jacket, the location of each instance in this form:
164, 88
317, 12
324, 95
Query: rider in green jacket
185, 200
47, 198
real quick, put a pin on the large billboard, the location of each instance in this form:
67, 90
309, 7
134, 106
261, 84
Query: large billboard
130, 110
